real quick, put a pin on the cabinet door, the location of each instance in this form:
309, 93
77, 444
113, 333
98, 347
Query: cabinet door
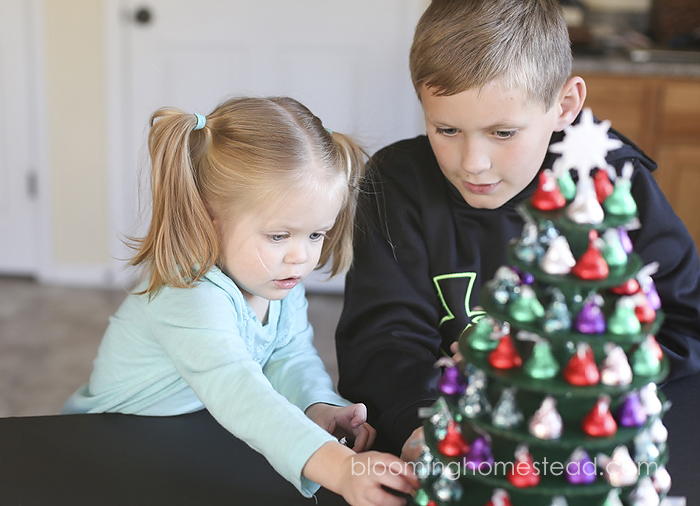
627, 102
679, 178
680, 111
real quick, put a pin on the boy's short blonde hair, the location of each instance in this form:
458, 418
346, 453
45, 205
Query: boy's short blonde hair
464, 44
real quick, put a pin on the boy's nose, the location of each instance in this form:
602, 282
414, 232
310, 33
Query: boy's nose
475, 159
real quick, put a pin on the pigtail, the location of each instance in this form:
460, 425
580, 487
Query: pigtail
338, 247
181, 244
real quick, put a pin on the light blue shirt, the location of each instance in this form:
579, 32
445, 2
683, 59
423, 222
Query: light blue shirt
190, 348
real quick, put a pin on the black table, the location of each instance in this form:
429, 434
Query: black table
120, 460
113, 459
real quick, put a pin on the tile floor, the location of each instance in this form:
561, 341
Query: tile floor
49, 336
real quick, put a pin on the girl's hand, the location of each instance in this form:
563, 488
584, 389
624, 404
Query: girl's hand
361, 477
370, 472
349, 422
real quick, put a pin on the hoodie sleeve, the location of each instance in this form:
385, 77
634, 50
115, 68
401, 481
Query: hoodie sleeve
664, 238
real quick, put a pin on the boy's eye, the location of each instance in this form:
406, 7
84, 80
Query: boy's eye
504, 134
277, 237
449, 132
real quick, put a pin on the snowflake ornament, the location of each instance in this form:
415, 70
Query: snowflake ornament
585, 144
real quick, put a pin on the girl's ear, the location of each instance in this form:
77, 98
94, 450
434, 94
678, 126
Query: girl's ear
570, 101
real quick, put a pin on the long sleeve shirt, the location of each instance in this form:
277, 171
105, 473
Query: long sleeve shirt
422, 255
187, 349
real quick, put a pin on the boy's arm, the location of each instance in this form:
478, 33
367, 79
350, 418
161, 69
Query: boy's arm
387, 338
664, 238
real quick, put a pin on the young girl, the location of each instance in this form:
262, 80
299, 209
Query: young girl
246, 203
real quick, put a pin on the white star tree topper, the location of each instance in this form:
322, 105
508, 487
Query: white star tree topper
585, 144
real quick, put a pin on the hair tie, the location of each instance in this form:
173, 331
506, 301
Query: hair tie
329, 131
201, 121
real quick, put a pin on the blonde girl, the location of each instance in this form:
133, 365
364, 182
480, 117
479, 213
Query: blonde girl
247, 201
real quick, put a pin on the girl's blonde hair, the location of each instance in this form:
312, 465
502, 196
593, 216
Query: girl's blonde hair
250, 152
465, 44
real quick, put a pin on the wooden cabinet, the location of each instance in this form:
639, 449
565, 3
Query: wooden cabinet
662, 116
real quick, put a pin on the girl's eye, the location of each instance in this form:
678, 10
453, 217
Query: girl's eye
317, 236
504, 134
277, 237
448, 132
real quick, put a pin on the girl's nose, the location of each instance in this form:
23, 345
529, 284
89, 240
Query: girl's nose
297, 254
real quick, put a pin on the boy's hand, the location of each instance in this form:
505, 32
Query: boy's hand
456, 355
349, 422
413, 446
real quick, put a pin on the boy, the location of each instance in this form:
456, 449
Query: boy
438, 211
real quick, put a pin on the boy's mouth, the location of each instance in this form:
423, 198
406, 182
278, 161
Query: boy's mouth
481, 189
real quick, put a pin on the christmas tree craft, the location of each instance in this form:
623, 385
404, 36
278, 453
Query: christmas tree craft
556, 401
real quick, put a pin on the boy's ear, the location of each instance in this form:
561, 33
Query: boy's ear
570, 101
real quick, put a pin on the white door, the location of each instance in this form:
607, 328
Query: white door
18, 164
347, 61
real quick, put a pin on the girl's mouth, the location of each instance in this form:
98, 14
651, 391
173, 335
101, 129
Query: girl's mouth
287, 283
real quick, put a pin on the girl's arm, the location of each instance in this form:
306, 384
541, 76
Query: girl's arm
360, 478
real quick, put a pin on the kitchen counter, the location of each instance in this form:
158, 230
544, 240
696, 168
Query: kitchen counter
623, 65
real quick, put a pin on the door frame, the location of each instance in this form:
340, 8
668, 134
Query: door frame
31, 45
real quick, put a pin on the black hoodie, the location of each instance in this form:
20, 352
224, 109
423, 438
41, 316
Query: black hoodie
422, 254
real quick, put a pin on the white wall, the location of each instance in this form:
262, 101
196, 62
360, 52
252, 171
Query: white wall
73, 50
